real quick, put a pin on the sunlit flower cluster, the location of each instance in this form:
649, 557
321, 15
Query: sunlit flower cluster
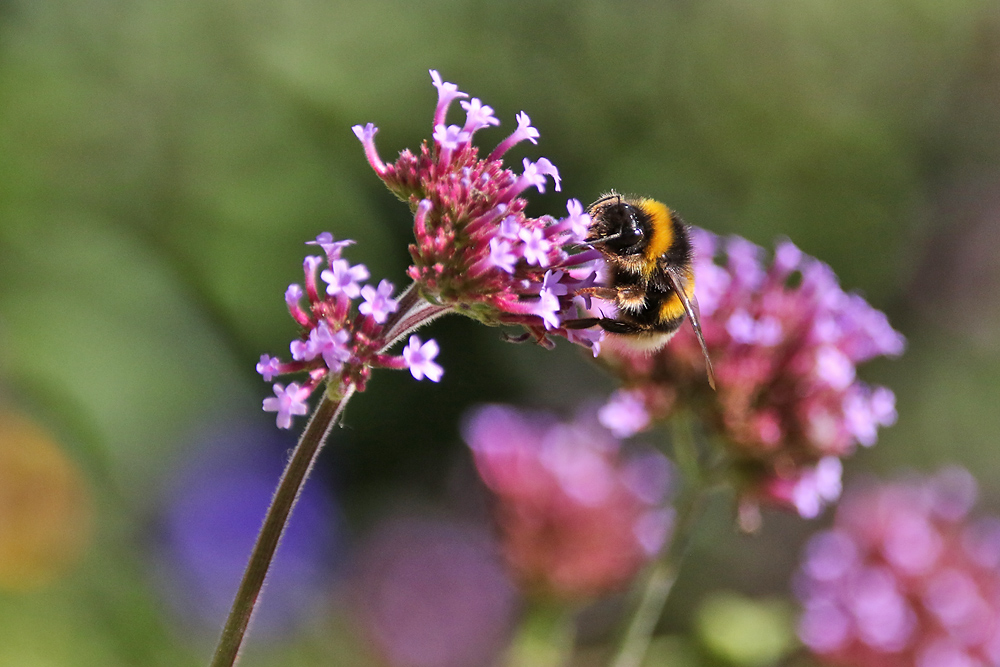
785, 341
346, 327
904, 578
577, 517
475, 250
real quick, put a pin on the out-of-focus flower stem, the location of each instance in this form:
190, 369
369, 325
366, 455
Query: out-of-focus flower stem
660, 580
303, 457
544, 637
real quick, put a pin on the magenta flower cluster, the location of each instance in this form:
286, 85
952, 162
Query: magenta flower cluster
577, 517
475, 250
785, 341
342, 337
904, 578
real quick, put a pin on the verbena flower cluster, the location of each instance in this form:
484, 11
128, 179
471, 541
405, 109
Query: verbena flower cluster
904, 578
475, 250
577, 517
344, 333
785, 341
475, 253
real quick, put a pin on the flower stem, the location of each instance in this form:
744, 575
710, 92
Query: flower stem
413, 312
303, 457
544, 637
635, 642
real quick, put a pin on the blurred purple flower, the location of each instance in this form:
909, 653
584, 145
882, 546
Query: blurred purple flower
432, 593
209, 517
904, 578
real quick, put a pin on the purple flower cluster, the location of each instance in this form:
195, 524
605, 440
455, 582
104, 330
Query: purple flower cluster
428, 592
341, 341
577, 518
904, 578
785, 341
476, 252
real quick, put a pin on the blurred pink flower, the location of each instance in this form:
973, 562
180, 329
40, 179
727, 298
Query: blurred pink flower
432, 593
577, 518
904, 578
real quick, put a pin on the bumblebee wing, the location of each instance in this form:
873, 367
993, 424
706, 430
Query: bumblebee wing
679, 282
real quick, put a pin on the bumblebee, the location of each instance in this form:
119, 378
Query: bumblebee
647, 250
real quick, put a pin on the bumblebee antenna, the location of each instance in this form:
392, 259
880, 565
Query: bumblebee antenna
692, 314
605, 239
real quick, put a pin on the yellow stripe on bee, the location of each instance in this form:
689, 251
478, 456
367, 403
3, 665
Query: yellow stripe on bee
662, 236
673, 308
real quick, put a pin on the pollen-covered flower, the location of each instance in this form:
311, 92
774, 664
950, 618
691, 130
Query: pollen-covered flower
341, 341
904, 578
475, 250
785, 341
577, 517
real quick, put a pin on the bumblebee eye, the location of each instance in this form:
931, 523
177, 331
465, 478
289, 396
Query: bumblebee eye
631, 231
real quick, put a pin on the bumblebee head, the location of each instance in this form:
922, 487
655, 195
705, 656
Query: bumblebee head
618, 225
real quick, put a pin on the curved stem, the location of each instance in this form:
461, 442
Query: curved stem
287, 494
660, 581
413, 312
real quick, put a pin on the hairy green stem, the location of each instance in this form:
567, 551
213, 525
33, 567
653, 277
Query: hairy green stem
287, 494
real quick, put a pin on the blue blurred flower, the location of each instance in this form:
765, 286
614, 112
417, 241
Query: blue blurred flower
212, 508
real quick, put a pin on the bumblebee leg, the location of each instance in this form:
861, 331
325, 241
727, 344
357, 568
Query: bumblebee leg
608, 324
619, 327
582, 323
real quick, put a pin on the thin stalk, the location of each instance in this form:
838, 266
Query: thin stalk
544, 637
287, 494
413, 312
660, 580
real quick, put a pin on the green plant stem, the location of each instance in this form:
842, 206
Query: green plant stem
544, 637
287, 494
660, 580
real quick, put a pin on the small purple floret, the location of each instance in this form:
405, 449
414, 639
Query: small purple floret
287, 402
268, 367
378, 303
420, 359
342, 278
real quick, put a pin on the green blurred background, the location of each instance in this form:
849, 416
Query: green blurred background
161, 165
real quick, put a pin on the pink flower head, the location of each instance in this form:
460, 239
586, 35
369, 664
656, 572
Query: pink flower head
475, 250
577, 518
786, 342
900, 579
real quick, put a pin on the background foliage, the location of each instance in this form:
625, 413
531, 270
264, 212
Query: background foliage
161, 165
